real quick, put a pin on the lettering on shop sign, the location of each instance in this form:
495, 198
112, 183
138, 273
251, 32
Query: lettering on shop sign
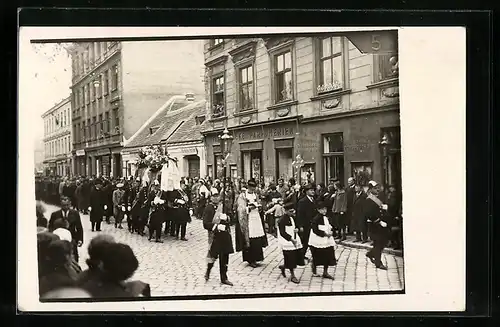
308, 145
271, 133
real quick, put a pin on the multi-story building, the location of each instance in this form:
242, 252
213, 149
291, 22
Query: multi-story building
57, 138
117, 86
317, 97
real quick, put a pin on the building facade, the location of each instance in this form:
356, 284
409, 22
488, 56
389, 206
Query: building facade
117, 86
57, 139
177, 126
317, 97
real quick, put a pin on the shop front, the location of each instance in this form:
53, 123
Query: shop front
190, 158
264, 153
333, 149
80, 163
352, 147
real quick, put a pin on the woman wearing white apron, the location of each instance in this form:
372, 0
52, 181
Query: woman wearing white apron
291, 246
250, 234
322, 243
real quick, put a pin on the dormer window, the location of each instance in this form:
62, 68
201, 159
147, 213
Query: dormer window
153, 130
200, 120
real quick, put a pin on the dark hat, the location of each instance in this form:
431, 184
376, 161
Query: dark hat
321, 205
309, 187
97, 181
252, 183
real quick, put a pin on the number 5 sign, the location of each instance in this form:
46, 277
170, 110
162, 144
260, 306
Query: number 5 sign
382, 42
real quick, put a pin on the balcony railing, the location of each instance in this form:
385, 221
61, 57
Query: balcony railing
95, 142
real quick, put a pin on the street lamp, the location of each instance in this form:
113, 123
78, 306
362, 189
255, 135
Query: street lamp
384, 144
226, 143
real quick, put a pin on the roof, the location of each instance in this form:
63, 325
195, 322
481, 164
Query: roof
165, 122
190, 130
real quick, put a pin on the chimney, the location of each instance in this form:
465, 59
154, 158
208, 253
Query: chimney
190, 97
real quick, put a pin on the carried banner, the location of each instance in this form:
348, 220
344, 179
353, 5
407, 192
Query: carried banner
170, 177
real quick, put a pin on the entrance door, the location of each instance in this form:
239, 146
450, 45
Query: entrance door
193, 166
252, 165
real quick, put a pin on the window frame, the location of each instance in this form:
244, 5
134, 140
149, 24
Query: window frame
106, 82
377, 68
318, 71
213, 78
334, 155
244, 67
275, 73
114, 77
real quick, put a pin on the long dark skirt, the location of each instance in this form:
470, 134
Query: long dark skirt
323, 256
254, 253
293, 258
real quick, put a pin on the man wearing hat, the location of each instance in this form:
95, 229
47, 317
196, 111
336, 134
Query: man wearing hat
117, 205
376, 215
220, 244
306, 211
350, 191
97, 205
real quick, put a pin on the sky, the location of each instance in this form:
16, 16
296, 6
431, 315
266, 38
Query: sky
46, 69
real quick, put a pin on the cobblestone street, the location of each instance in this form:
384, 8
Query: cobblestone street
177, 267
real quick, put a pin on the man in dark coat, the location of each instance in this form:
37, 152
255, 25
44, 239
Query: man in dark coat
97, 205
74, 223
359, 223
220, 243
306, 211
349, 191
108, 189
376, 213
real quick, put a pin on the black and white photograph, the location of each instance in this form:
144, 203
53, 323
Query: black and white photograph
218, 166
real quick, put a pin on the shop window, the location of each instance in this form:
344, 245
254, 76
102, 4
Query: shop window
283, 82
333, 157
307, 174
246, 88
210, 171
284, 167
331, 64
218, 100
362, 172
252, 165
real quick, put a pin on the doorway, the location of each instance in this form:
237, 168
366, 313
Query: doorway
252, 165
193, 166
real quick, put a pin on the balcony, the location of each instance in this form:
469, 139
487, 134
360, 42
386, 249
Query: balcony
105, 139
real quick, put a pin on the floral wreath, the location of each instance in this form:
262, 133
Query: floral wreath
154, 157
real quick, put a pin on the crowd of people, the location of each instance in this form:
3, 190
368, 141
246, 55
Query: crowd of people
301, 216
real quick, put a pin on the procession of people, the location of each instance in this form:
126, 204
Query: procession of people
303, 217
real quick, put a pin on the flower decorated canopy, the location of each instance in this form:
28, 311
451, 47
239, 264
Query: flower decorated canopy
154, 157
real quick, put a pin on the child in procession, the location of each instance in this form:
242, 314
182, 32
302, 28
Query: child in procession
277, 210
322, 243
291, 246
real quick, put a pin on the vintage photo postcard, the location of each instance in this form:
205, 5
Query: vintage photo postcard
265, 168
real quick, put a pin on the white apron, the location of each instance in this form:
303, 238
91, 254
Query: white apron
255, 228
322, 242
288, 245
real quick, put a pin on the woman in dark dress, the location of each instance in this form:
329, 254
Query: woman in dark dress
322, 243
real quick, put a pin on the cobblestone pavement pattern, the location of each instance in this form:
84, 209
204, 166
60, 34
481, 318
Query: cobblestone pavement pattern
177, 267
